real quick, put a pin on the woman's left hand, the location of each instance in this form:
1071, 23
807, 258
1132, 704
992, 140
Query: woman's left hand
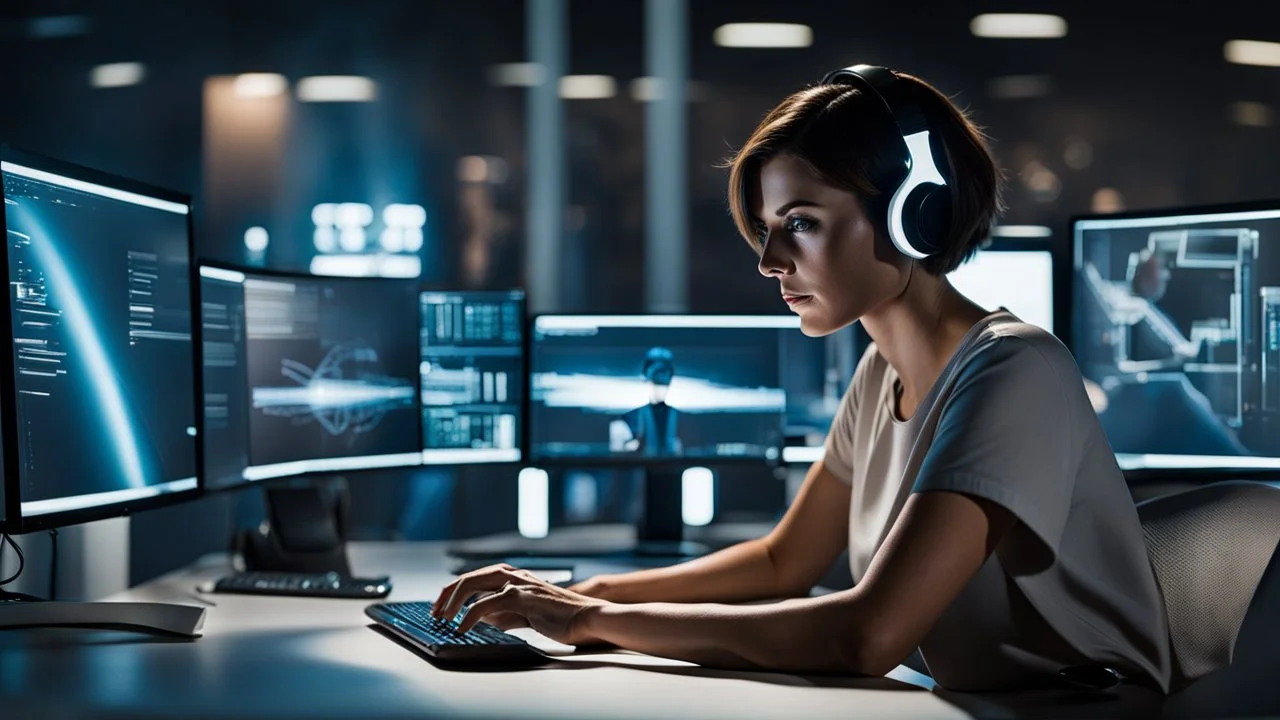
518, 599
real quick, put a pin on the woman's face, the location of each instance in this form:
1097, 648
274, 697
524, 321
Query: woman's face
821, 247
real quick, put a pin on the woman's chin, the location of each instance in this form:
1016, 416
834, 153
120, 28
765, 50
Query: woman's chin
815, 323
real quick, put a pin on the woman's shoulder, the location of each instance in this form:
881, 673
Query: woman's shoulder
1012, 343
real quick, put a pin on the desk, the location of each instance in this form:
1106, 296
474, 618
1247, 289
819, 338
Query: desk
301, 657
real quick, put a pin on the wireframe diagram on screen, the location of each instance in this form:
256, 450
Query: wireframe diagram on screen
1178, 328
655, 387
472, 376
332, 371
101, 311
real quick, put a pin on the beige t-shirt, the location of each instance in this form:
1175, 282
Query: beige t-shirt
1009, 421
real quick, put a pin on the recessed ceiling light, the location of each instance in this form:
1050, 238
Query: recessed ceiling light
1018, 25
1252, 114
763, 35
1018, 87
259, 85
114, 75
337, 88
517, 74
1021, 231
587, 87
1252, 52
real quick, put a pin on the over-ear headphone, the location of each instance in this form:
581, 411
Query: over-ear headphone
919, 208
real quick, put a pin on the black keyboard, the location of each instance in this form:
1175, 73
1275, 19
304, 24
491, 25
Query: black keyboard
320, 585
484, 644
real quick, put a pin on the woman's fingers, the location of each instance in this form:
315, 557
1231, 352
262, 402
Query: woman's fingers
505, 602
483, 580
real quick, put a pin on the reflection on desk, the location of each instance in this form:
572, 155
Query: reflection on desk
287, 657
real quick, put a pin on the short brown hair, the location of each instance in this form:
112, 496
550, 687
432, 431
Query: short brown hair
845, 139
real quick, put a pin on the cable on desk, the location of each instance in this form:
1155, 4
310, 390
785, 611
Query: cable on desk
4, 538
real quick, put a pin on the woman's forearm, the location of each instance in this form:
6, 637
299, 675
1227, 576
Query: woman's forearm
739, 573
803, 635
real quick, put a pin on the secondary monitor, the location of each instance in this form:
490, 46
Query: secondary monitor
657, 388
99, 387
1177, 332
815, 375
307, 374
1014, 274
473, 376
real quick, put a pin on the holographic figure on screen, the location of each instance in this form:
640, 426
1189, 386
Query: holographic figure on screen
347, 391
651, 429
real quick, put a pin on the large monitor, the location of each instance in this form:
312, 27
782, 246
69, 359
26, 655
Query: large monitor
1014, 274
1177, 331
307, 374
98, 385
661, 389
473, 376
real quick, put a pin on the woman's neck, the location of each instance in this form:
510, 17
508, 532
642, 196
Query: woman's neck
919, 330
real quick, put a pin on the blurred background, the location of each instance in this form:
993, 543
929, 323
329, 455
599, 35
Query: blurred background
574, 147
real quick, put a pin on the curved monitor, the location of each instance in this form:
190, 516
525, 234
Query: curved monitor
99, 382
657, 389
307, 374
1177, 331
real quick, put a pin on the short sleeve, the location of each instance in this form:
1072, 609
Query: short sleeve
1005, 435
838, 454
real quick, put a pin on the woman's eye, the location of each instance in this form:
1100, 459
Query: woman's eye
799, 224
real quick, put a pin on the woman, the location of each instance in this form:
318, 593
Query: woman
966, 473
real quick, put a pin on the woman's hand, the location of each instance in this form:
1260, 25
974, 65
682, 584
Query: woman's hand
598, 586
518, 599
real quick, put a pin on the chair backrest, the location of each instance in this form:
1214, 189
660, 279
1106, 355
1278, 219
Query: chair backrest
1209, 548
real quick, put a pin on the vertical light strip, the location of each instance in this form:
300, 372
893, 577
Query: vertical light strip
547, 28
666, 243
698, 496
532, 501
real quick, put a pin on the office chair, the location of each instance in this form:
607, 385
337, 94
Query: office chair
1211, 548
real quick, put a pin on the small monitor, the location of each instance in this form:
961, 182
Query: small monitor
1177, 331
307, 374
1014, 274
99, 415
657, 388
815, 375
473, 376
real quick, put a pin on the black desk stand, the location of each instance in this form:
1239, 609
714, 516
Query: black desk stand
659, 532
305, 530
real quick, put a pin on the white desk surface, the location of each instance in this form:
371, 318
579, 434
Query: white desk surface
285, 657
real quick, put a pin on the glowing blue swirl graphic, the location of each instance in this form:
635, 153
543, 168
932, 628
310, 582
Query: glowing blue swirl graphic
328, 396
90, 347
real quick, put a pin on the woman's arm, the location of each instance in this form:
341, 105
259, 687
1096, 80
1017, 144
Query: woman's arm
937, 545
785, 563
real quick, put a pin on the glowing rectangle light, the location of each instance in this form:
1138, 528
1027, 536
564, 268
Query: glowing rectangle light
1018, 25
763, 35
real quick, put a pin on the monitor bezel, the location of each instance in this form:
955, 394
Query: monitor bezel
526, 327
661, 463
14, 522
248, 270
1138, 475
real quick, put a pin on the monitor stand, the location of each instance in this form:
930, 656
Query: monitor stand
659, 536
305, 529
18, 610
660, 527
